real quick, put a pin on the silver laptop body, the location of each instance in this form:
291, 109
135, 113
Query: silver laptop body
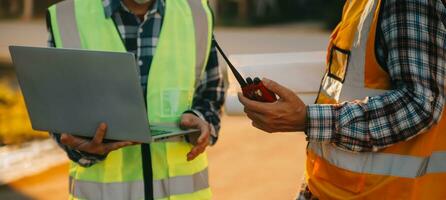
72, 91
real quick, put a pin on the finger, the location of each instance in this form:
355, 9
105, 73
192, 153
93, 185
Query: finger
257, 117
205, 133
253, 105
116, 145
202, 143
100, 133
192, 154
200, 150
188, 121
280, 90
199, 147
262, 127
195, 152
70, 140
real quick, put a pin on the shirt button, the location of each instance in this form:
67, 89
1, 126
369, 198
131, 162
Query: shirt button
140, 63
431, 98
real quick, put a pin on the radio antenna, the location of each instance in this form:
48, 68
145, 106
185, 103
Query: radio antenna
237, 75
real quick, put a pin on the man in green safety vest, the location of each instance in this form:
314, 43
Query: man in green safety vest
182, 83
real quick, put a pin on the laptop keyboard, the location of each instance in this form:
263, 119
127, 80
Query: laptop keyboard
155, 132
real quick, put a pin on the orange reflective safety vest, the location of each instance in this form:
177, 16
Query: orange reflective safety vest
414, 169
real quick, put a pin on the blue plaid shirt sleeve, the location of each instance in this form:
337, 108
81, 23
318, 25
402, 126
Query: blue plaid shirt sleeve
209, 95
414, 35
82, 158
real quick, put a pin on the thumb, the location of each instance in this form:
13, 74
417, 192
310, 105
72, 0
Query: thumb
280, 90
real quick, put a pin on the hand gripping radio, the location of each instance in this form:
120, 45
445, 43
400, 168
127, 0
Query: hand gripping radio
252, 88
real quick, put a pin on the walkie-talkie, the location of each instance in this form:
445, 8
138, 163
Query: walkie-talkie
252, 88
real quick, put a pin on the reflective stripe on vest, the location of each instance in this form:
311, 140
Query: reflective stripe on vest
354, 84
187, 28
410, 169
382, 163
349, 83
201, 38
161, 188
67, 25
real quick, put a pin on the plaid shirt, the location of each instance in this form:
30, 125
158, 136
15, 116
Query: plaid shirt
412, 49
412, 46
140, 37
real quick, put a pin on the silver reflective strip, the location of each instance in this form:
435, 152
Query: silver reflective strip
66, 20
381, 163
354, 87
181, 184
437, 163
110, 191
201, 24
135, 189
331, 87
358, 93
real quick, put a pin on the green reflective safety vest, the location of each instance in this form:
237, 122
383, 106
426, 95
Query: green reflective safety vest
177, 66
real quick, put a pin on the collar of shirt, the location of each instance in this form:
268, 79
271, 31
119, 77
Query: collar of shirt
111, 6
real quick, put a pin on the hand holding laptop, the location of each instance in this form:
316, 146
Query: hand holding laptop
190, 121
77, 88
95, 145
98, 147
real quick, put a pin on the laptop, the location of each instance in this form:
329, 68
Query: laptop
73, 90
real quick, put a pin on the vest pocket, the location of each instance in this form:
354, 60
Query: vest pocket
338, 63
173, 102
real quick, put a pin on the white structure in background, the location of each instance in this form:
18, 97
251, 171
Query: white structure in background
28, 159
300, 71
